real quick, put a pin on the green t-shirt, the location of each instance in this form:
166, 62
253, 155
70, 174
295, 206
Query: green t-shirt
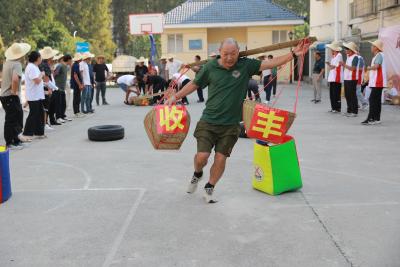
60, 76
226, 89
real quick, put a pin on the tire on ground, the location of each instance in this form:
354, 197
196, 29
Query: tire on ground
106, 133
243, 133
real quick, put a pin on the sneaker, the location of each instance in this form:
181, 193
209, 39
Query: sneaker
105, 103
364, 107
15, 147
208, 195
374, 122
48, 128
193, 184
24, 138
55, 123
317, 101
60, 121
333, 111
67, 119
313, 100
378, 122
366, 122
266, 102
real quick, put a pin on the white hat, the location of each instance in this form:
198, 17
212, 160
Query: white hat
48, 52
352, 46
213, 54
171, 56
378, 44
17, 51
87, 55
141, 60
58, 57
163, 57
77, 57
335, 46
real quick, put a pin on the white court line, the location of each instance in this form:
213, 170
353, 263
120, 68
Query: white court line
86, 175
123, 230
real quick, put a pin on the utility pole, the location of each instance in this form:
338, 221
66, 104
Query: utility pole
336, 19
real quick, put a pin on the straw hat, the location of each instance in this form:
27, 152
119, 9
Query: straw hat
352, 46
48, 53
171, 56
87, 55
101, 56
17, 51
141, 60
378, 44
58, 57
163, 57
77, 57
335, 46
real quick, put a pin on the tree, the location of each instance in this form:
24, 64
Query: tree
47, 31
302, 8
2, 50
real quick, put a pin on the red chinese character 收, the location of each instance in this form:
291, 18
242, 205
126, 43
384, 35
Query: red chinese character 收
171, 119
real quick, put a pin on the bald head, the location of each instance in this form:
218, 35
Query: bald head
229, 51
229, 42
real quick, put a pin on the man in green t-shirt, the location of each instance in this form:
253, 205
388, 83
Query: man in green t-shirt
227, 78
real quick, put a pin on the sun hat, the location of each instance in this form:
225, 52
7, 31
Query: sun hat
352, 46
335, 46
378, 44
87, 55
171, 56
77, 57
141, 60
48, 53
101, 56
58, 57
163, 57
213, 54
17, 50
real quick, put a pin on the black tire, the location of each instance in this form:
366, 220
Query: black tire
243, 133
106, 133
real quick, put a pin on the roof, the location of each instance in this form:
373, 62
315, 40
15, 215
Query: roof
263, 12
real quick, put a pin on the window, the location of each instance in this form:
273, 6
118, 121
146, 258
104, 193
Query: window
389, 3
175, 43
279, 36
365, 7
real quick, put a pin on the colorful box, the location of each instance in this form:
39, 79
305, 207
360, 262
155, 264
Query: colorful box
5, 183
276, 168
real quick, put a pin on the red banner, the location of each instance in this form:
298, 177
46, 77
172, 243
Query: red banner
268, 124
171, 119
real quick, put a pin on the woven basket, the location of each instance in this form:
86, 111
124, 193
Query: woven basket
248, 112
140, 101
164, 141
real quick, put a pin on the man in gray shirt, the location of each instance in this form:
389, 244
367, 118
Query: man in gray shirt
9, 95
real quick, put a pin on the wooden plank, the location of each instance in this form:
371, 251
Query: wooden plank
262, 50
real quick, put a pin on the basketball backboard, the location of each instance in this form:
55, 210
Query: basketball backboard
140, 24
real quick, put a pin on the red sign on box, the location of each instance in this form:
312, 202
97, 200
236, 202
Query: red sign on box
268, 124
171, 119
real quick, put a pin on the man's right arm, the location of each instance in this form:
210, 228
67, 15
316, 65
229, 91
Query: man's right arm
15, 84
186, 90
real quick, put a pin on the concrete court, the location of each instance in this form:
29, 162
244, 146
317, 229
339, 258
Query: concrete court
81, 203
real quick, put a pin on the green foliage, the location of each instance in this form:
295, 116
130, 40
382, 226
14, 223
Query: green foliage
47, 31
2, 50
302, 31
139, 46
300, 7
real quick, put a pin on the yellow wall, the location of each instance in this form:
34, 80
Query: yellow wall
216, 35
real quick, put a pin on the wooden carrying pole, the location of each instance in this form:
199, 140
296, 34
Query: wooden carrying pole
262, 50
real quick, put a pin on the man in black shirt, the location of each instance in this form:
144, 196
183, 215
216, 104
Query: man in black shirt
196, 69
140, 71
155, 84
101, 72
318, 74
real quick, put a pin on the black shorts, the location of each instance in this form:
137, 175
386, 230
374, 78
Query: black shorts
46, 103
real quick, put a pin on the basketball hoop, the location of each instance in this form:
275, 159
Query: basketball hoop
145, 24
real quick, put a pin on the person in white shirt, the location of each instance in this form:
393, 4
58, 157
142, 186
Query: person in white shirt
128, 83
34, 125
181, 80
335, 77
86, 100
173, 66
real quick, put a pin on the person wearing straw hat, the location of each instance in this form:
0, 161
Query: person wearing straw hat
86, 99
76, 84
173, 66
335, 76
101, 72
377, 81
140, 71
196, 69
351, 78
9, 96
50, 89
162, 68
219, 126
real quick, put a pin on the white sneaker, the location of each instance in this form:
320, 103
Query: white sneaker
79, 115
60, 120
15, 147
266, 102
193, 184
24, 138
208, 195
67, 119
48, 128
